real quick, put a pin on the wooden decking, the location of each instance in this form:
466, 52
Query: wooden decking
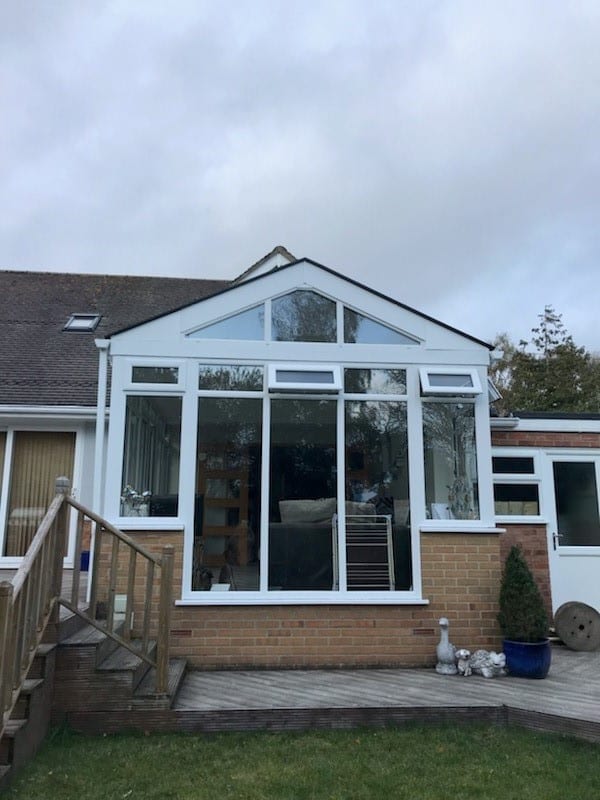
567, 701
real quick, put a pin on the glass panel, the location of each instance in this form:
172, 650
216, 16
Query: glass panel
375, 381
576, 503
359, 329
151, 457
378, 557
512, 465
247, 325
304, 376
450, 461
227, 512
448, 380
516, 499
303, 316
230, 377
155, 375
38, 459
303, 488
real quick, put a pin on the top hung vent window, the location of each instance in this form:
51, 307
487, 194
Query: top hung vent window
304, 378
449, 381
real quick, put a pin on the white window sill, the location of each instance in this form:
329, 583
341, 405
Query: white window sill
238, 598
147, 524
457, 526
507, 519
583, 550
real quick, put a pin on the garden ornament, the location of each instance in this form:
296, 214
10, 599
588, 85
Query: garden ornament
445, 651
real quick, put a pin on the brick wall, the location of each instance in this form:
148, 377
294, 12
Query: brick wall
532, 539
514, 438
461, 574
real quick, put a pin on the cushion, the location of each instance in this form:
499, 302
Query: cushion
352, 507
401, 512
315, 511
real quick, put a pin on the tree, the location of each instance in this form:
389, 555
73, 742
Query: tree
548, 373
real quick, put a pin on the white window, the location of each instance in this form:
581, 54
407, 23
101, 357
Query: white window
304, 378
516, 483
444, 381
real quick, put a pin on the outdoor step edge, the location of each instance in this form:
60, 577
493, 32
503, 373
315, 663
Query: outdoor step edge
177, 668
13, 726
45, 648
86, 636
31, 684
112, 662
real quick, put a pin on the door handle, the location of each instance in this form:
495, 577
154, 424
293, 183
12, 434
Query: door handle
555, 539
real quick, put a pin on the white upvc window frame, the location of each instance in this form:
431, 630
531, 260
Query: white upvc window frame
456, 390
520, 478
277, 385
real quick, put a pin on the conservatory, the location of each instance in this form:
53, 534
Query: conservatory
298, 434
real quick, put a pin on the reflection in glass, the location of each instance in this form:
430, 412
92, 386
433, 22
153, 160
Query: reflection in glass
515, 465
359, 329
247, 325
516, 499
227, 508
446, 379
151, 457
576, 503
450, 461
377, 487
228, 377
375, 381
155, 375
302, 495
303, 316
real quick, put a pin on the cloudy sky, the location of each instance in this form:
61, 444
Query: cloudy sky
446, 153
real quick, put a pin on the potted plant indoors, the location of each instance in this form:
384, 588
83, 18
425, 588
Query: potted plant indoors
523, 620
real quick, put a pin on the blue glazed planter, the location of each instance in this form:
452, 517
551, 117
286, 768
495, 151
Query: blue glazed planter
528, 659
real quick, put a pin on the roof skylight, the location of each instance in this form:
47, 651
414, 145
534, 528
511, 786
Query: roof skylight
82, 322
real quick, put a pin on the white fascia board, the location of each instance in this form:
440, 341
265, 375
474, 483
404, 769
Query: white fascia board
554, 425
49, 412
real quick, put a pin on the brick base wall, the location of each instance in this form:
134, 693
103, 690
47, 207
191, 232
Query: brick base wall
461, 574
532, 539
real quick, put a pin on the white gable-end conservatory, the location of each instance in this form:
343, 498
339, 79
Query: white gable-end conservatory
302, 433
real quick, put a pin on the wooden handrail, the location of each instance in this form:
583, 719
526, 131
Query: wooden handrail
30, 600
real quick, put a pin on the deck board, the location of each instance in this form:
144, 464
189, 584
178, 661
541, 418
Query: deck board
572, 689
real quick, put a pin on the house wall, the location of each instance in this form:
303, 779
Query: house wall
461, 575
533, 537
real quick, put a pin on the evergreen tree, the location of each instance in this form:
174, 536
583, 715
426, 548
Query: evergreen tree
548, 373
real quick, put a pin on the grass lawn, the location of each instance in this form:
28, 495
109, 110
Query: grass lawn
408, 763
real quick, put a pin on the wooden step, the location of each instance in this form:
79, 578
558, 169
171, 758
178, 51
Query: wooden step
11, 729
146, 695
89, 636
123, 660
38, 667
21, 709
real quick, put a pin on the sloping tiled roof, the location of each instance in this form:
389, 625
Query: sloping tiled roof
40, 363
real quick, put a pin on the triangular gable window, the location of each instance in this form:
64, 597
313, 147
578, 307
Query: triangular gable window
303, 316
248, 325
359, 329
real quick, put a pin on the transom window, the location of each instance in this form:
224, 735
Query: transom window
303, 316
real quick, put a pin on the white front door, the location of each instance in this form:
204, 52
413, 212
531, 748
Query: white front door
571, 486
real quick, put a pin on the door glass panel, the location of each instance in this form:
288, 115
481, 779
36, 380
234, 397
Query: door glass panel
302, 551
576, 503
378, 550
227, 503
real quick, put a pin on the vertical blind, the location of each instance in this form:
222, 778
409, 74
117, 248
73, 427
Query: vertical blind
38, 459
